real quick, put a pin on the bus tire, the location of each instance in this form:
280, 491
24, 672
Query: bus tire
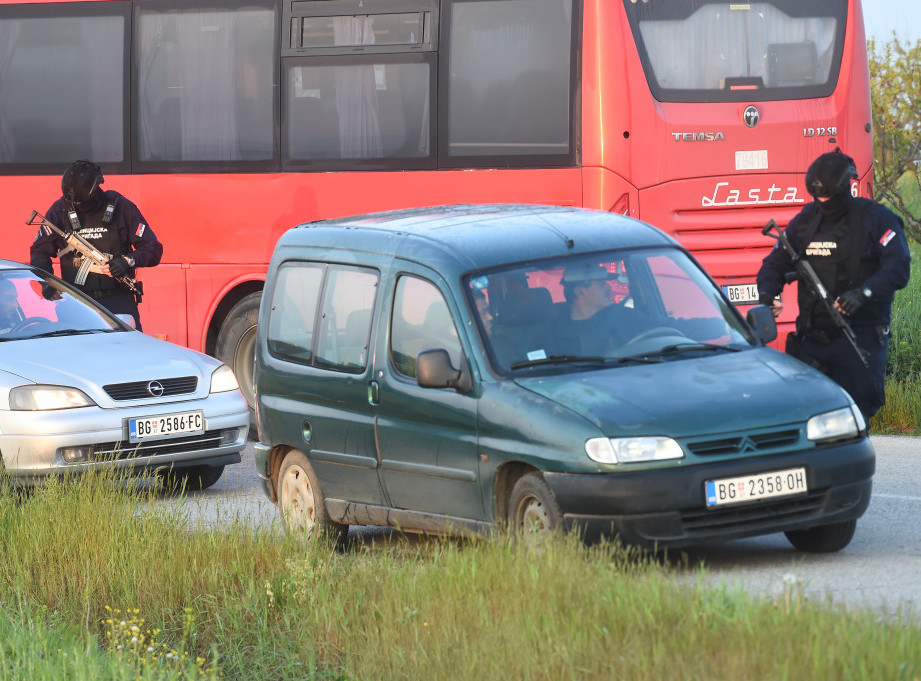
236, 347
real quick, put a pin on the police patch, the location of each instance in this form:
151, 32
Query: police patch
140, 230
887, 237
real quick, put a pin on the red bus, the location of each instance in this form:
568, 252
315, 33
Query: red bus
230, 121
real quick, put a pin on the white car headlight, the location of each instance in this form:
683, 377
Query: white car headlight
47, 397
632, 449
834, 425
223, 380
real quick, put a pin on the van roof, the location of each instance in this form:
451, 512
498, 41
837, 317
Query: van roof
476, 236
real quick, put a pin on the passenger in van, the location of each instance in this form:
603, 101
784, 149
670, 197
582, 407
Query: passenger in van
9, 306
482, 308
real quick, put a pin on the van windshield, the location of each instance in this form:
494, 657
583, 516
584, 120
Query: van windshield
651, 305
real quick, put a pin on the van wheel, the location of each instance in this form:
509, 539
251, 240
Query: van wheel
533, 514
301, 501
192, 479
824, 539
236, 347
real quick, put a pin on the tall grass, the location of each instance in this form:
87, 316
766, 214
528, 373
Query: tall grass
902, 412
98, 583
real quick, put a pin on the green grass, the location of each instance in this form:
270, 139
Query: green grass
91, 565
902, 412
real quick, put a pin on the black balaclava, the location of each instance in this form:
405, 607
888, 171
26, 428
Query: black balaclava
80, 185
830, 176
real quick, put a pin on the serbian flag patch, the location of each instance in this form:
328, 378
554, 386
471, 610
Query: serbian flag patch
887, 237
141, 227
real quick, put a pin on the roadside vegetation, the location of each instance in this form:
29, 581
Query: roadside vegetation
895, 81
895, 84
102, 583
902, 412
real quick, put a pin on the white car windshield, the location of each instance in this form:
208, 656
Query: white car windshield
614, 307
34, 306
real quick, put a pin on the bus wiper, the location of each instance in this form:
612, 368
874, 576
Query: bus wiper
582, 359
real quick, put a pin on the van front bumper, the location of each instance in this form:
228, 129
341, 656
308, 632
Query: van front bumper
666, 508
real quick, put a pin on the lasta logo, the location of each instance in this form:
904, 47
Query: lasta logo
723, 195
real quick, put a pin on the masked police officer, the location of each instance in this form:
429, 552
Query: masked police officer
108, 221
858, 249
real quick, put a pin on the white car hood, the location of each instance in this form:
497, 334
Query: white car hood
90, 361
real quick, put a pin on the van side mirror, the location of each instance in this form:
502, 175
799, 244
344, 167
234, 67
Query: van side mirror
434, 370
761, 319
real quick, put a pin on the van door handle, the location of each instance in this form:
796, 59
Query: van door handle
374, 394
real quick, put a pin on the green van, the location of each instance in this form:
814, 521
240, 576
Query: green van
458, 368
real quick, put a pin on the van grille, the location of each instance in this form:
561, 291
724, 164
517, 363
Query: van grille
139, 390
746, 443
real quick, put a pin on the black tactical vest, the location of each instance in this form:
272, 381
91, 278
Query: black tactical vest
99, 229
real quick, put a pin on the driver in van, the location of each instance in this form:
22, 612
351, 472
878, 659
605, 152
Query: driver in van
9, 306
594, 322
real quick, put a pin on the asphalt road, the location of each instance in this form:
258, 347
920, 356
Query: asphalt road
880, 569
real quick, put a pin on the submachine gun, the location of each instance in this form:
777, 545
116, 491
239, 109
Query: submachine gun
806, 273
92, 256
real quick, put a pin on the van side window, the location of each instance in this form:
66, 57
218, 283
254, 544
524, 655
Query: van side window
321, 315
421, 321
344, 324
294, 310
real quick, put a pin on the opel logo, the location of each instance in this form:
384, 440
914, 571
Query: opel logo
751, 116
155, 388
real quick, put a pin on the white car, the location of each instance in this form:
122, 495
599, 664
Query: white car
81, 389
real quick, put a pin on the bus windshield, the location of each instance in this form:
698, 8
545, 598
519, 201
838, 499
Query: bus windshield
727, 51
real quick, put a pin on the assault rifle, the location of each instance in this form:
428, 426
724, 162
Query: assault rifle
92, 257
806, 273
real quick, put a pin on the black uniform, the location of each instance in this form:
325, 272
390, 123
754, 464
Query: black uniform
859, 251
122, 232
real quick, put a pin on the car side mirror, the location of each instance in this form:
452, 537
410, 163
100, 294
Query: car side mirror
434, 370
761, 319
127, 319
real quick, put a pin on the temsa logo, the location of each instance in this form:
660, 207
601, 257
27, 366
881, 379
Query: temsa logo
723, 195
699, 136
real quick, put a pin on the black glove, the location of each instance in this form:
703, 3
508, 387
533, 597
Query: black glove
766, 299
118, 267
851, 301
49, 292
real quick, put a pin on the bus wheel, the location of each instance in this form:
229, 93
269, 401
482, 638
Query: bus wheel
236, 346
533, 514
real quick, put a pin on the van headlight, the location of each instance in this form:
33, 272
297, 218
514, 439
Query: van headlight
223, 380
632, 449
47, 397
836, 425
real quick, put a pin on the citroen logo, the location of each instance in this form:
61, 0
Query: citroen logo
155, 388
748, 446
751, 116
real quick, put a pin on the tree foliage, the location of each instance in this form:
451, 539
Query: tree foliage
895, 82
